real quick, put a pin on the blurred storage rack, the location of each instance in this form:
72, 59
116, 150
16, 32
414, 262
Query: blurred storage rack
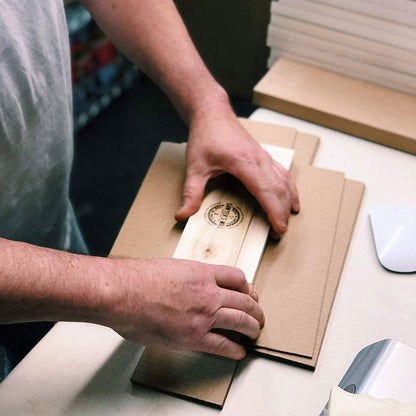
100, 73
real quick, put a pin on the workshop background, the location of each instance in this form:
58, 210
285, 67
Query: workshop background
121, 116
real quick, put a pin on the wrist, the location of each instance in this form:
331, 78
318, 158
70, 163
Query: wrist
210, 104
120, 291
213, 107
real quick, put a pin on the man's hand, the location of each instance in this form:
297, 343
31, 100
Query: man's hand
153, 35
178, 304
219, 144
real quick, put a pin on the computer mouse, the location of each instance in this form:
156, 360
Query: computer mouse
394, 231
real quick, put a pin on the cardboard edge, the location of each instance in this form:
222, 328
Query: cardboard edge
310, 363
172, 356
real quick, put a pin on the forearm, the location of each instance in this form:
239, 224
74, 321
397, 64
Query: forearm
152, 34
167, 302
39, 284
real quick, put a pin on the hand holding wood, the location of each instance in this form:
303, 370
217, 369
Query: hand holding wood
180, 304
218, 145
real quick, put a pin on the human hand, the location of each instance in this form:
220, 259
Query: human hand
178, 304
219, 144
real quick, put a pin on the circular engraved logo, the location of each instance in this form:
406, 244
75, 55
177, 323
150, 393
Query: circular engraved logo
224, 215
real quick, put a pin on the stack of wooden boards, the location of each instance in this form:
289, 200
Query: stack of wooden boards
297, 277
371, 40
296, 280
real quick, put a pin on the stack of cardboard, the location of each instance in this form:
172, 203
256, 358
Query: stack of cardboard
370, 40
296, 280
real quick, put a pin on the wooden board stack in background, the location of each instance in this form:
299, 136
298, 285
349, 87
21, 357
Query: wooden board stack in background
371, 40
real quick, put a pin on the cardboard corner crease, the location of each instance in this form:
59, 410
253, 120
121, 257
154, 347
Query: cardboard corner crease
296, 279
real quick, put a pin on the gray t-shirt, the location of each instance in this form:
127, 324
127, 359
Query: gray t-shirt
35, 122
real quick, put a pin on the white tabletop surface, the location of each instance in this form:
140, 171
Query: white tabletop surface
84, 369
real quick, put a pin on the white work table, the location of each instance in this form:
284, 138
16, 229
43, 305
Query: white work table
84, 369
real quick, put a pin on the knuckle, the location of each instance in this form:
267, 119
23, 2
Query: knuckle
189, 192
249, 303
242, 321
222, 346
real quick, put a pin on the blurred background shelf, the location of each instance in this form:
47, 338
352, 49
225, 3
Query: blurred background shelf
100, 73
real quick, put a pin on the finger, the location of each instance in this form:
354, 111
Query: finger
274, 235
242, 302
278, 212
192, 194
238, 321
268, 186
232, 278
294, 197
254, 295
220, 345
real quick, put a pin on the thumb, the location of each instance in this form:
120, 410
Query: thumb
192, 194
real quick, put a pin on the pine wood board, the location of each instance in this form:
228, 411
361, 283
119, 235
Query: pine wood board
229, 228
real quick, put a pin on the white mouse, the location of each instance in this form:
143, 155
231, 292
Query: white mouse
394, 231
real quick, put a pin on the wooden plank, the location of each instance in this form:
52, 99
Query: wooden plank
255, 240
215, 233
229, 228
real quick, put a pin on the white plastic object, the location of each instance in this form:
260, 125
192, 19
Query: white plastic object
394, 231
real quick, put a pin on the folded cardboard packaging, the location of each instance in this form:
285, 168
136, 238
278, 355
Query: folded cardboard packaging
296, 280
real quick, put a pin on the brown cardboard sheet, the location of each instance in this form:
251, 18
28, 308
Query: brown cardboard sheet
359, 108
208, 374
151, 231
199, 376
291, 277
351, 200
